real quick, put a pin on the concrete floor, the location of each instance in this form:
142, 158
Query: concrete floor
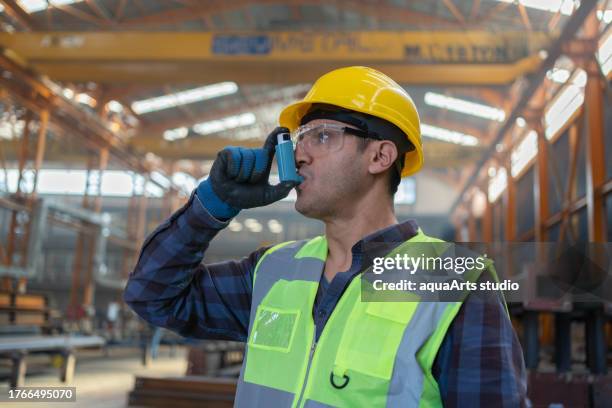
101, 381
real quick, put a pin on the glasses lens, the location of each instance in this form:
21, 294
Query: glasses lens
319, 139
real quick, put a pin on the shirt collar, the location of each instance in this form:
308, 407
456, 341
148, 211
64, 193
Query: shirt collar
396, 233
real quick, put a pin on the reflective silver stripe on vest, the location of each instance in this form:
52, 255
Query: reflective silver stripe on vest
406, 386
279, 264
255, 395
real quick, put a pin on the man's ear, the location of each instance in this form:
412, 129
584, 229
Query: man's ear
382, 155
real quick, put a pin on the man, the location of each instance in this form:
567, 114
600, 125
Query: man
311, 340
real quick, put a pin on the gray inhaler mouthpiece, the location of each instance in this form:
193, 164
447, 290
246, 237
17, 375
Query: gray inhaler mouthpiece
286, 159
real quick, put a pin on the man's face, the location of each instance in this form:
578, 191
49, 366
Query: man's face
332, 180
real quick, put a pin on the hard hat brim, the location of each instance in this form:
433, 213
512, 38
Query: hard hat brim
291, 116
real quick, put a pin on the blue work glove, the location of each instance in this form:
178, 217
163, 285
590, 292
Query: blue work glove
238, 179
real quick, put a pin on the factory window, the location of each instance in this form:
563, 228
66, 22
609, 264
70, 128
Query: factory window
497, 184
553, 233
406, 191
580, 226
574, 230
525, 216
565, 104
604, 54
608, 133
478, 233
526, 150
498, 221
464, 234
609, 216
558, 173
116, 183
580, 190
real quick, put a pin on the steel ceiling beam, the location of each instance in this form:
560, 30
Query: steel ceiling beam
13, 9
69, 119
380, 10
570, 29
99, 10
452, 7
82, 15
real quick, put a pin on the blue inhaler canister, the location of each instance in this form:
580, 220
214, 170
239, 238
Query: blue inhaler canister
286, 159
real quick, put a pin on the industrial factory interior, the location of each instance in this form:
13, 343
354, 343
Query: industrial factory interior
116, 121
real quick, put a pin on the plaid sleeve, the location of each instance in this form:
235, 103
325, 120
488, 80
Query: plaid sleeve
480, 362
170, 286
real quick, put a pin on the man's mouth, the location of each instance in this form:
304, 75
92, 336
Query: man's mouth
300, 186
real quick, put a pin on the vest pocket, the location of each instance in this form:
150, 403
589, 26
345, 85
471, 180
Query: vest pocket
274, 329
371, 338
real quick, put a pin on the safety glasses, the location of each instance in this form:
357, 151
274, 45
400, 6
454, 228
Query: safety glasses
326, 138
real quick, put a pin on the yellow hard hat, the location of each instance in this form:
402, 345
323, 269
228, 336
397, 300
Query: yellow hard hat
368, 91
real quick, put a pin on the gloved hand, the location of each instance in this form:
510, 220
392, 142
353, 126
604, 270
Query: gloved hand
238, 179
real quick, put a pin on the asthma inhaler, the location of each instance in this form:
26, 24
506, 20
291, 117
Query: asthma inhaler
286, 159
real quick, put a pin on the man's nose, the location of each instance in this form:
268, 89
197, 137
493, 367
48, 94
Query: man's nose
301, 156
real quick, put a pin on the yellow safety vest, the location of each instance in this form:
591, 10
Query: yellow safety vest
370, 354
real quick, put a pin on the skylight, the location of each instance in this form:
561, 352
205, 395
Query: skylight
604, 54
33, 6
566, 7
524, 152
558, 75
605, 15
569, 99
497, 184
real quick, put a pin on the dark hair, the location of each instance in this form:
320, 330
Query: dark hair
394, 176
394, 180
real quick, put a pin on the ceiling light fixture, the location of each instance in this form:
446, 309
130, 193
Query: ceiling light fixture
229, 122
176, 134
447, 135
184, 97
463, 106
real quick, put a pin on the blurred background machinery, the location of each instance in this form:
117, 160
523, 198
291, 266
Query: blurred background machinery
111, 112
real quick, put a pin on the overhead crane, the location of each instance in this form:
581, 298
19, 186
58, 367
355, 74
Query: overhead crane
410, 57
